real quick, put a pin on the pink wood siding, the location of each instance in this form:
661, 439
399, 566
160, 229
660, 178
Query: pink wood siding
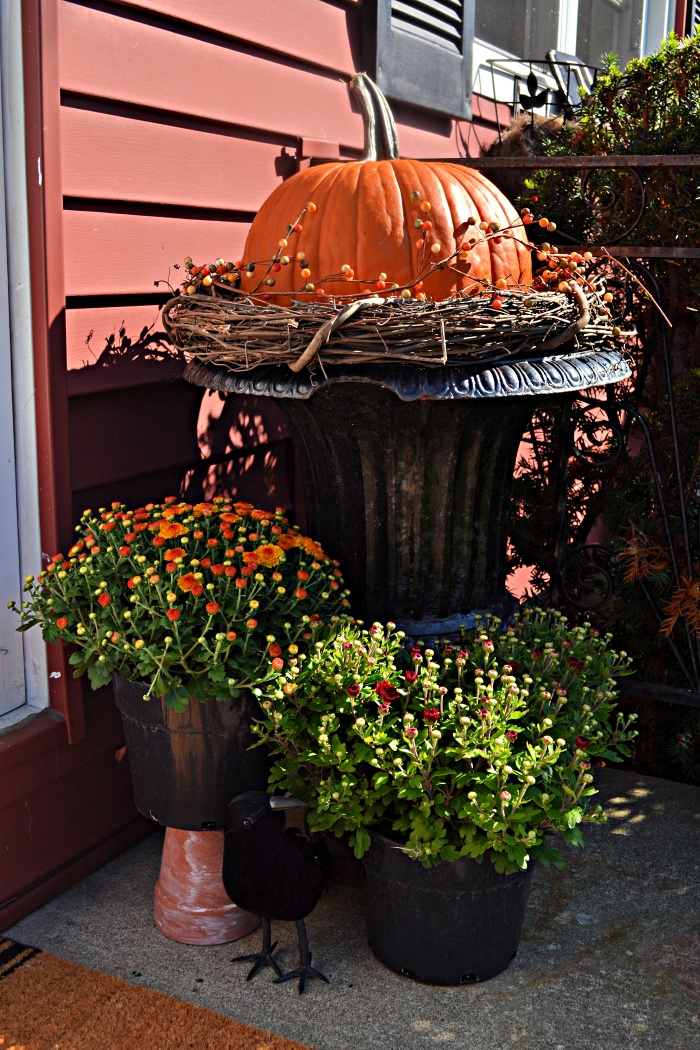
177, 121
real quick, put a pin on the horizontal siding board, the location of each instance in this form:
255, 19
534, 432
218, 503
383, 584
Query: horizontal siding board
121, 253
113, 157
106, 56
104, 337
295, 28
121, 434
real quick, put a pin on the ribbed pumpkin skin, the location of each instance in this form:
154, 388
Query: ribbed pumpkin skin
365, 218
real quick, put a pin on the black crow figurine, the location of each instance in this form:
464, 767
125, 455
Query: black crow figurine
273, 871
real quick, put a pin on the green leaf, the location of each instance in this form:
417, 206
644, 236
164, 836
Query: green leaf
361, 841
26, 626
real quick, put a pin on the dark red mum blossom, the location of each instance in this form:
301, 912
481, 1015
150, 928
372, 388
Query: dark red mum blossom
515, 665
680, 736
535, 654
483, 713
463, 654
574, 664
447, 650
411, 676
104, 600
385, 707
582, 742
386, 691
431, 714
354, 690
511, 734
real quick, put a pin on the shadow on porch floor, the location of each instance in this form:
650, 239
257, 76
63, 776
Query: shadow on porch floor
610, 955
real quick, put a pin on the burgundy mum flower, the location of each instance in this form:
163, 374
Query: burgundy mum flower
431, 714
511, 734
515, 665
386, 691
411, 676
411, 731
535, 654
483, 713
447, 650
582, 742
384, 708
574, 664
353, 690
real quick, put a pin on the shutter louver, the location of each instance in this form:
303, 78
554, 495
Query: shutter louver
694, 21
424, 53
441, 23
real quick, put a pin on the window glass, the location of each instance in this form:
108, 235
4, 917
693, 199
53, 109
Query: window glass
519, 27
609, 26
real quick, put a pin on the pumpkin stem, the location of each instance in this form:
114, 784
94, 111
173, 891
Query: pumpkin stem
381, 136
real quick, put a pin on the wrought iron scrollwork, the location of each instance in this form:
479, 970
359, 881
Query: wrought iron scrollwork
606, 200
585, 576
596, 438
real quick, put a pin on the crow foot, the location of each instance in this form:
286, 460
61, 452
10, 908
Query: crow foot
261, 959
303, 972
305, 969
264, 957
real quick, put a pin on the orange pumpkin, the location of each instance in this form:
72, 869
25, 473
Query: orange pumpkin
365, 219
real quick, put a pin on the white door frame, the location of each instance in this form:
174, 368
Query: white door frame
24, 677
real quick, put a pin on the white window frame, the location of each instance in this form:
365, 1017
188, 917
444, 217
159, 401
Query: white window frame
508, 67
26, 687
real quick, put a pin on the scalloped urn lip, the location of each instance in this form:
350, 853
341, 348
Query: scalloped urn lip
516, 377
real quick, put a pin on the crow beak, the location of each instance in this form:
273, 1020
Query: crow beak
278, 802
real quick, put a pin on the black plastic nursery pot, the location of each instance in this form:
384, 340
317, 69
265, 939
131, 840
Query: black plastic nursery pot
456, 923
186, 767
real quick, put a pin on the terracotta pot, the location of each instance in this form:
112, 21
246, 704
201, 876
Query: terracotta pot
191, 905
187, 766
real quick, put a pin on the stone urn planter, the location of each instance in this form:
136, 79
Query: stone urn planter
407, 471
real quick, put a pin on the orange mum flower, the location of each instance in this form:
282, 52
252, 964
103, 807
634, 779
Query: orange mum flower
231, 518
251, 558
262, 515
269, 554
187, 582
288, 540
174, 552
312, 547
203, 508
170, 529
243, 508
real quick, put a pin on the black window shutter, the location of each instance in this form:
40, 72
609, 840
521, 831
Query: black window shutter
424, 53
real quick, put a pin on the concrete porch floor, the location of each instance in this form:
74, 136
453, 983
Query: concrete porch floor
610, 955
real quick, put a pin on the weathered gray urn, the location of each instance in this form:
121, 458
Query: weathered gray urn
407, 472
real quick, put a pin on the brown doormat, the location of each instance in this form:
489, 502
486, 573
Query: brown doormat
47, 1003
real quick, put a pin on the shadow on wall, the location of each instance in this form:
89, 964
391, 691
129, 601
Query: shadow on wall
140, 433
150, 345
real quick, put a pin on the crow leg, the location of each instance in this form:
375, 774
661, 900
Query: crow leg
305, 968
264, 957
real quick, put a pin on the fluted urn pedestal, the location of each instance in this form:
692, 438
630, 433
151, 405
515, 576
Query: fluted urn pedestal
407, 472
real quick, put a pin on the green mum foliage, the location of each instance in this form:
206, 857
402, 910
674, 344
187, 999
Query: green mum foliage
481, 748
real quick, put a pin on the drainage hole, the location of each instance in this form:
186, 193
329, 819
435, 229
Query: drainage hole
406, 972
469, 978
153, 816
209, 825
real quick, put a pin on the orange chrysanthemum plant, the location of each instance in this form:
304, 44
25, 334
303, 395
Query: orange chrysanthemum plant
197, 601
